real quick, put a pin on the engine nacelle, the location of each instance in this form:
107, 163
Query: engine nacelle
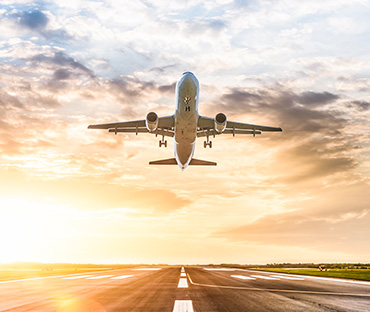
220, 122
151, 121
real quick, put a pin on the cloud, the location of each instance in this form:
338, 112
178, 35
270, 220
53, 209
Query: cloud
316, 98
87, 195
359, 105
34, 19
331, 220
61, 59
37, 21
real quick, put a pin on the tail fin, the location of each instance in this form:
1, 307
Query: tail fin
199, 162
170, 161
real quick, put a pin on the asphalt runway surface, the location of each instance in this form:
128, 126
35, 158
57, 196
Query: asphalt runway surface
183, 289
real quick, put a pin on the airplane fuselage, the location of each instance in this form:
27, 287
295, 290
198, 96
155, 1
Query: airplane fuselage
186, 119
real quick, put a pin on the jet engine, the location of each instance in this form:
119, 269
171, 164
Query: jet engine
151, 121
220, 122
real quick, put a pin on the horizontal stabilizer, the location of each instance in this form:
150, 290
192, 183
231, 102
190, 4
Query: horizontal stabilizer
198, 162
169, 161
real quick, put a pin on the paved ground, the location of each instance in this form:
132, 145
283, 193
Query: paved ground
193, 289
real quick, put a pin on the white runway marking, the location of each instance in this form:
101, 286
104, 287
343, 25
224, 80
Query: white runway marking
183, 283
265, 277
77, 277
183, 306
218, 269
122, 276
243, 277
183, 274
182, 270
100, 276
289, 277
147, 269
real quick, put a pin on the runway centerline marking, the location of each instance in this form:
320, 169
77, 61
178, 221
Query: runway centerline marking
308, 292
100, 276
183, 306
243, 277
265, 277
183, 283
183, 274
122, 276
77, 277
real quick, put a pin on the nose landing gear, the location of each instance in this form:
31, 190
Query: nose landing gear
209, 143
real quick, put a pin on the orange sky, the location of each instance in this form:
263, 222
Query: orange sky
78, 195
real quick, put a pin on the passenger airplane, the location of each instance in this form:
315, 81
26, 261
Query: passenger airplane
185, 126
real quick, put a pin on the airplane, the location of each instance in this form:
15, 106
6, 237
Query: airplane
185, 126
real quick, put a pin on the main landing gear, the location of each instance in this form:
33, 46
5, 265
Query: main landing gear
163, 142
208, 142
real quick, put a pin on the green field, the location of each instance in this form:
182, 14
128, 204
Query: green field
6, 275
357, 274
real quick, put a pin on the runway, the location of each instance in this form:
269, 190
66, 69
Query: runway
183, 289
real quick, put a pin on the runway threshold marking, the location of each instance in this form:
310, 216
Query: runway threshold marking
100, 276
289, 278
147, 269
77, 277
243, 277
265, 277
308, 292
121, 277
48, 277
183, 283
219, 269
183, 306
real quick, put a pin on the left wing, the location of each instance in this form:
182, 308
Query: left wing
206, 126
165, 126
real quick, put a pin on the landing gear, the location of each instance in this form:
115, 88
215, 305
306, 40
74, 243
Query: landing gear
209, 143
163, 142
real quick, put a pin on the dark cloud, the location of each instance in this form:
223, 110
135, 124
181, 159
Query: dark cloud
34, 20
37, 21
240, 96
295, 113
359, 105
167, 88
315, 98
62, 59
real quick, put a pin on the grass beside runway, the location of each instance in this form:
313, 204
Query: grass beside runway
7, 275
357, 274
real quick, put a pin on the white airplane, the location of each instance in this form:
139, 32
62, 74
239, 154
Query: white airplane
185, 126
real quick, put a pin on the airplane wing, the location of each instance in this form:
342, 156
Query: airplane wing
165, 126
206, 127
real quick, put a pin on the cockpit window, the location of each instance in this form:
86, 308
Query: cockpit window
188, 73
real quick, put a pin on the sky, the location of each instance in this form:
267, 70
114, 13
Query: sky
68, 194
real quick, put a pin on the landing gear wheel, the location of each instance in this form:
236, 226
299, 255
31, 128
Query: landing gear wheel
163, 143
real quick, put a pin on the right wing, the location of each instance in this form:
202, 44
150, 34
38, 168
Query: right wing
165, 126
206, 127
